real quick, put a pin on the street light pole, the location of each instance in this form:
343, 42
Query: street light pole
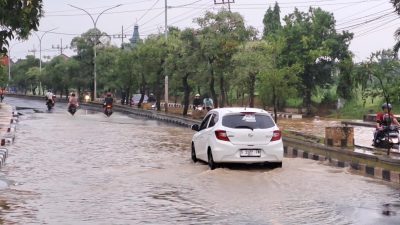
9, 63
40, 47
40, 55
165, 66
94, 46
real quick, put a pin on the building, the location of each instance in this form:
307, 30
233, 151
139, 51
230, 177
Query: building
135, 36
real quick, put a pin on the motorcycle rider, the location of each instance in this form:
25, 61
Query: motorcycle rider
108, 100
49, 97
384, 119
72, 100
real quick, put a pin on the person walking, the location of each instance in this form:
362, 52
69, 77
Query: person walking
208, 103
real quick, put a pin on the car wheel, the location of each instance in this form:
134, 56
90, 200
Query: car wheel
211, 162
277, 165
194, 158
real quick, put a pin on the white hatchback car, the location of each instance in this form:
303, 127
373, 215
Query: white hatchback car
237, 135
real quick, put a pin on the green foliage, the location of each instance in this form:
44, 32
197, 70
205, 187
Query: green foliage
384, 79
313, 42
17, 19
272, 21
294, 102
19, 72
354, 109
250, 61
3, 76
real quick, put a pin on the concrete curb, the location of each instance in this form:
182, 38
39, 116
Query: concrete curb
359, 168
8, 137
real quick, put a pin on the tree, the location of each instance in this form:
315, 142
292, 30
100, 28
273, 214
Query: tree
278, 81
3, 76
19, 70
313, 42
17, 19
152, 55
346, 84
185, 62
84, 46
250, 61
220, 36
272, 21
384, 68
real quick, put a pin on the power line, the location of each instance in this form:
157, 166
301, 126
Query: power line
207, 6
375, 29
360, 18
365, 22
99, 7
148, 10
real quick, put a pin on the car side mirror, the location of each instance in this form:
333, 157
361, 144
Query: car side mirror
195, 127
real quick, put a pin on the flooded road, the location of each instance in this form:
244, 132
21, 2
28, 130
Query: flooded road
90, 169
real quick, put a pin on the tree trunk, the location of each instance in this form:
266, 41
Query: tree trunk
252, 90
307, 101
159, 85
186, 93
142, 93
212, 90
223, 92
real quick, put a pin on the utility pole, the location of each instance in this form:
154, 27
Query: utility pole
122, 36
33, 50
60, 47
223, 2
165, 63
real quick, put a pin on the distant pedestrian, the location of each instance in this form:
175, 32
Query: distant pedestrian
208, 103
151, 98
197, 102
2, 92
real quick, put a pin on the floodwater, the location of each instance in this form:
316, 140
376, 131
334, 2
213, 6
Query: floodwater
90, 169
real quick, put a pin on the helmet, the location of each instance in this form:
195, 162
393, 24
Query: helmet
386, 106
197, 95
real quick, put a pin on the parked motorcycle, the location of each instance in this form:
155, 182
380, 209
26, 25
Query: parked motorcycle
72, 109
108, 110
387, 138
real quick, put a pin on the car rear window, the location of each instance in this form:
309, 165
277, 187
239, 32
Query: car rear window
248, 120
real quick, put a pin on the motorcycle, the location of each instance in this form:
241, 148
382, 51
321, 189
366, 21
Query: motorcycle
108, 110
72, 109
387, 138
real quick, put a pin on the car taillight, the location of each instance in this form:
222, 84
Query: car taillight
221, 135
276, 135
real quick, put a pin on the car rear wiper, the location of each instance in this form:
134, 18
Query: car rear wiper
246, 127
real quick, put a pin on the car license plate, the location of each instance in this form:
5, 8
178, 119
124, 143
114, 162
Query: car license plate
250, 153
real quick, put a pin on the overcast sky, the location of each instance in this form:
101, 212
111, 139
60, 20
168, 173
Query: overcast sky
372, 21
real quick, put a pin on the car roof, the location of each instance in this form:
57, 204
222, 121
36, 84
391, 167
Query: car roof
238, 110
